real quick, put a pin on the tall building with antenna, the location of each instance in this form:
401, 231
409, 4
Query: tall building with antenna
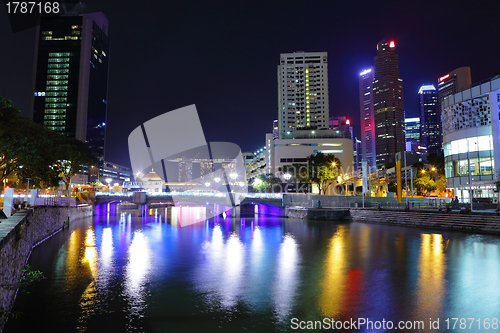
388, 104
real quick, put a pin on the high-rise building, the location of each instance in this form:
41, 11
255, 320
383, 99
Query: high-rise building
71, 76
388, 104
430, 124
303, 92
412, 130
367, 116
276, 128
452, 83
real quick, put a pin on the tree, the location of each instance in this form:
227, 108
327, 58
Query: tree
73, 156
321, 169
16, 149
424, 182
441, 184
265, 182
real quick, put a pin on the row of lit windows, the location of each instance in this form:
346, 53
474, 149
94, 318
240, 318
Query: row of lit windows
61, 38
58, 66
56, 99
479, 143
57, 77
60, 116
57, 83
56, 105
53, 128
55, 123
55, 111
59, 93
60, 54
57, 71
57, 88
58, 60
478, 166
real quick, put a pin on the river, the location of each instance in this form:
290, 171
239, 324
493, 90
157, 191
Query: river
117, 272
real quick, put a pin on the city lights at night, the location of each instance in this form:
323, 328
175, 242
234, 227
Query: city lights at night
258, 166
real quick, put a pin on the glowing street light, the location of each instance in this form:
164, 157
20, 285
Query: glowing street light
207, 184
287, 176
217, 179
233, 175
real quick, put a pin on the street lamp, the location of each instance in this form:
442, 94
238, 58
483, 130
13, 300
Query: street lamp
108, 180
233, 176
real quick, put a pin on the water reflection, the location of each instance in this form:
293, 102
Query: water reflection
136, 274
287, 277
119, 272
334, 278
431, 276
89, 260
220, 273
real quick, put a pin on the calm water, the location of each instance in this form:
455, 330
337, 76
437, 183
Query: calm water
118, 273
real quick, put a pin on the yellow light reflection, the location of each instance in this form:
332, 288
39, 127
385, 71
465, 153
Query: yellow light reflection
431, 277
334, 276
88, 299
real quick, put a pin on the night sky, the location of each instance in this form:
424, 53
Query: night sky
223, 57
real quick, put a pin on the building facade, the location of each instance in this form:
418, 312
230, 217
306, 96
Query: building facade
303, 92
430, 122
471, 141
388, 104
452, 83
412, 130
367, 116
71, 76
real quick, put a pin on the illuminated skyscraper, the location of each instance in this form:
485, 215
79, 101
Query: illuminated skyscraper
453, 82
71, 76
367, 116
388, 104
430, 128
303, 92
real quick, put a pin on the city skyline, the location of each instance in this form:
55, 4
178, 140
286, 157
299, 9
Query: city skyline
169, 56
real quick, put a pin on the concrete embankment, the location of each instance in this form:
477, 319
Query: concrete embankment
323, 214
478, 223
20, 233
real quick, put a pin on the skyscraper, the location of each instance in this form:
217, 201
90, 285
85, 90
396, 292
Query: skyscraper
388, 104
452, 83
412, 130
303, 92
430, 124
71, 76
367, 116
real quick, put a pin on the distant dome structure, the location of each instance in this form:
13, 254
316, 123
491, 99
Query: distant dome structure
152, 176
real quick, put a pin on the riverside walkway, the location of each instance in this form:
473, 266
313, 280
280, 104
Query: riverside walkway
478, 222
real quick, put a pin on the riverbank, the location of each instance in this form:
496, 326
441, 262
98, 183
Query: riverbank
479, 222
19, 234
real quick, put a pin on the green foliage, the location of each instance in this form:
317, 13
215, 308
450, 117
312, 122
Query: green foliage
441, 184
321, 169
29, 150
28, 276
425, 183
265, 182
